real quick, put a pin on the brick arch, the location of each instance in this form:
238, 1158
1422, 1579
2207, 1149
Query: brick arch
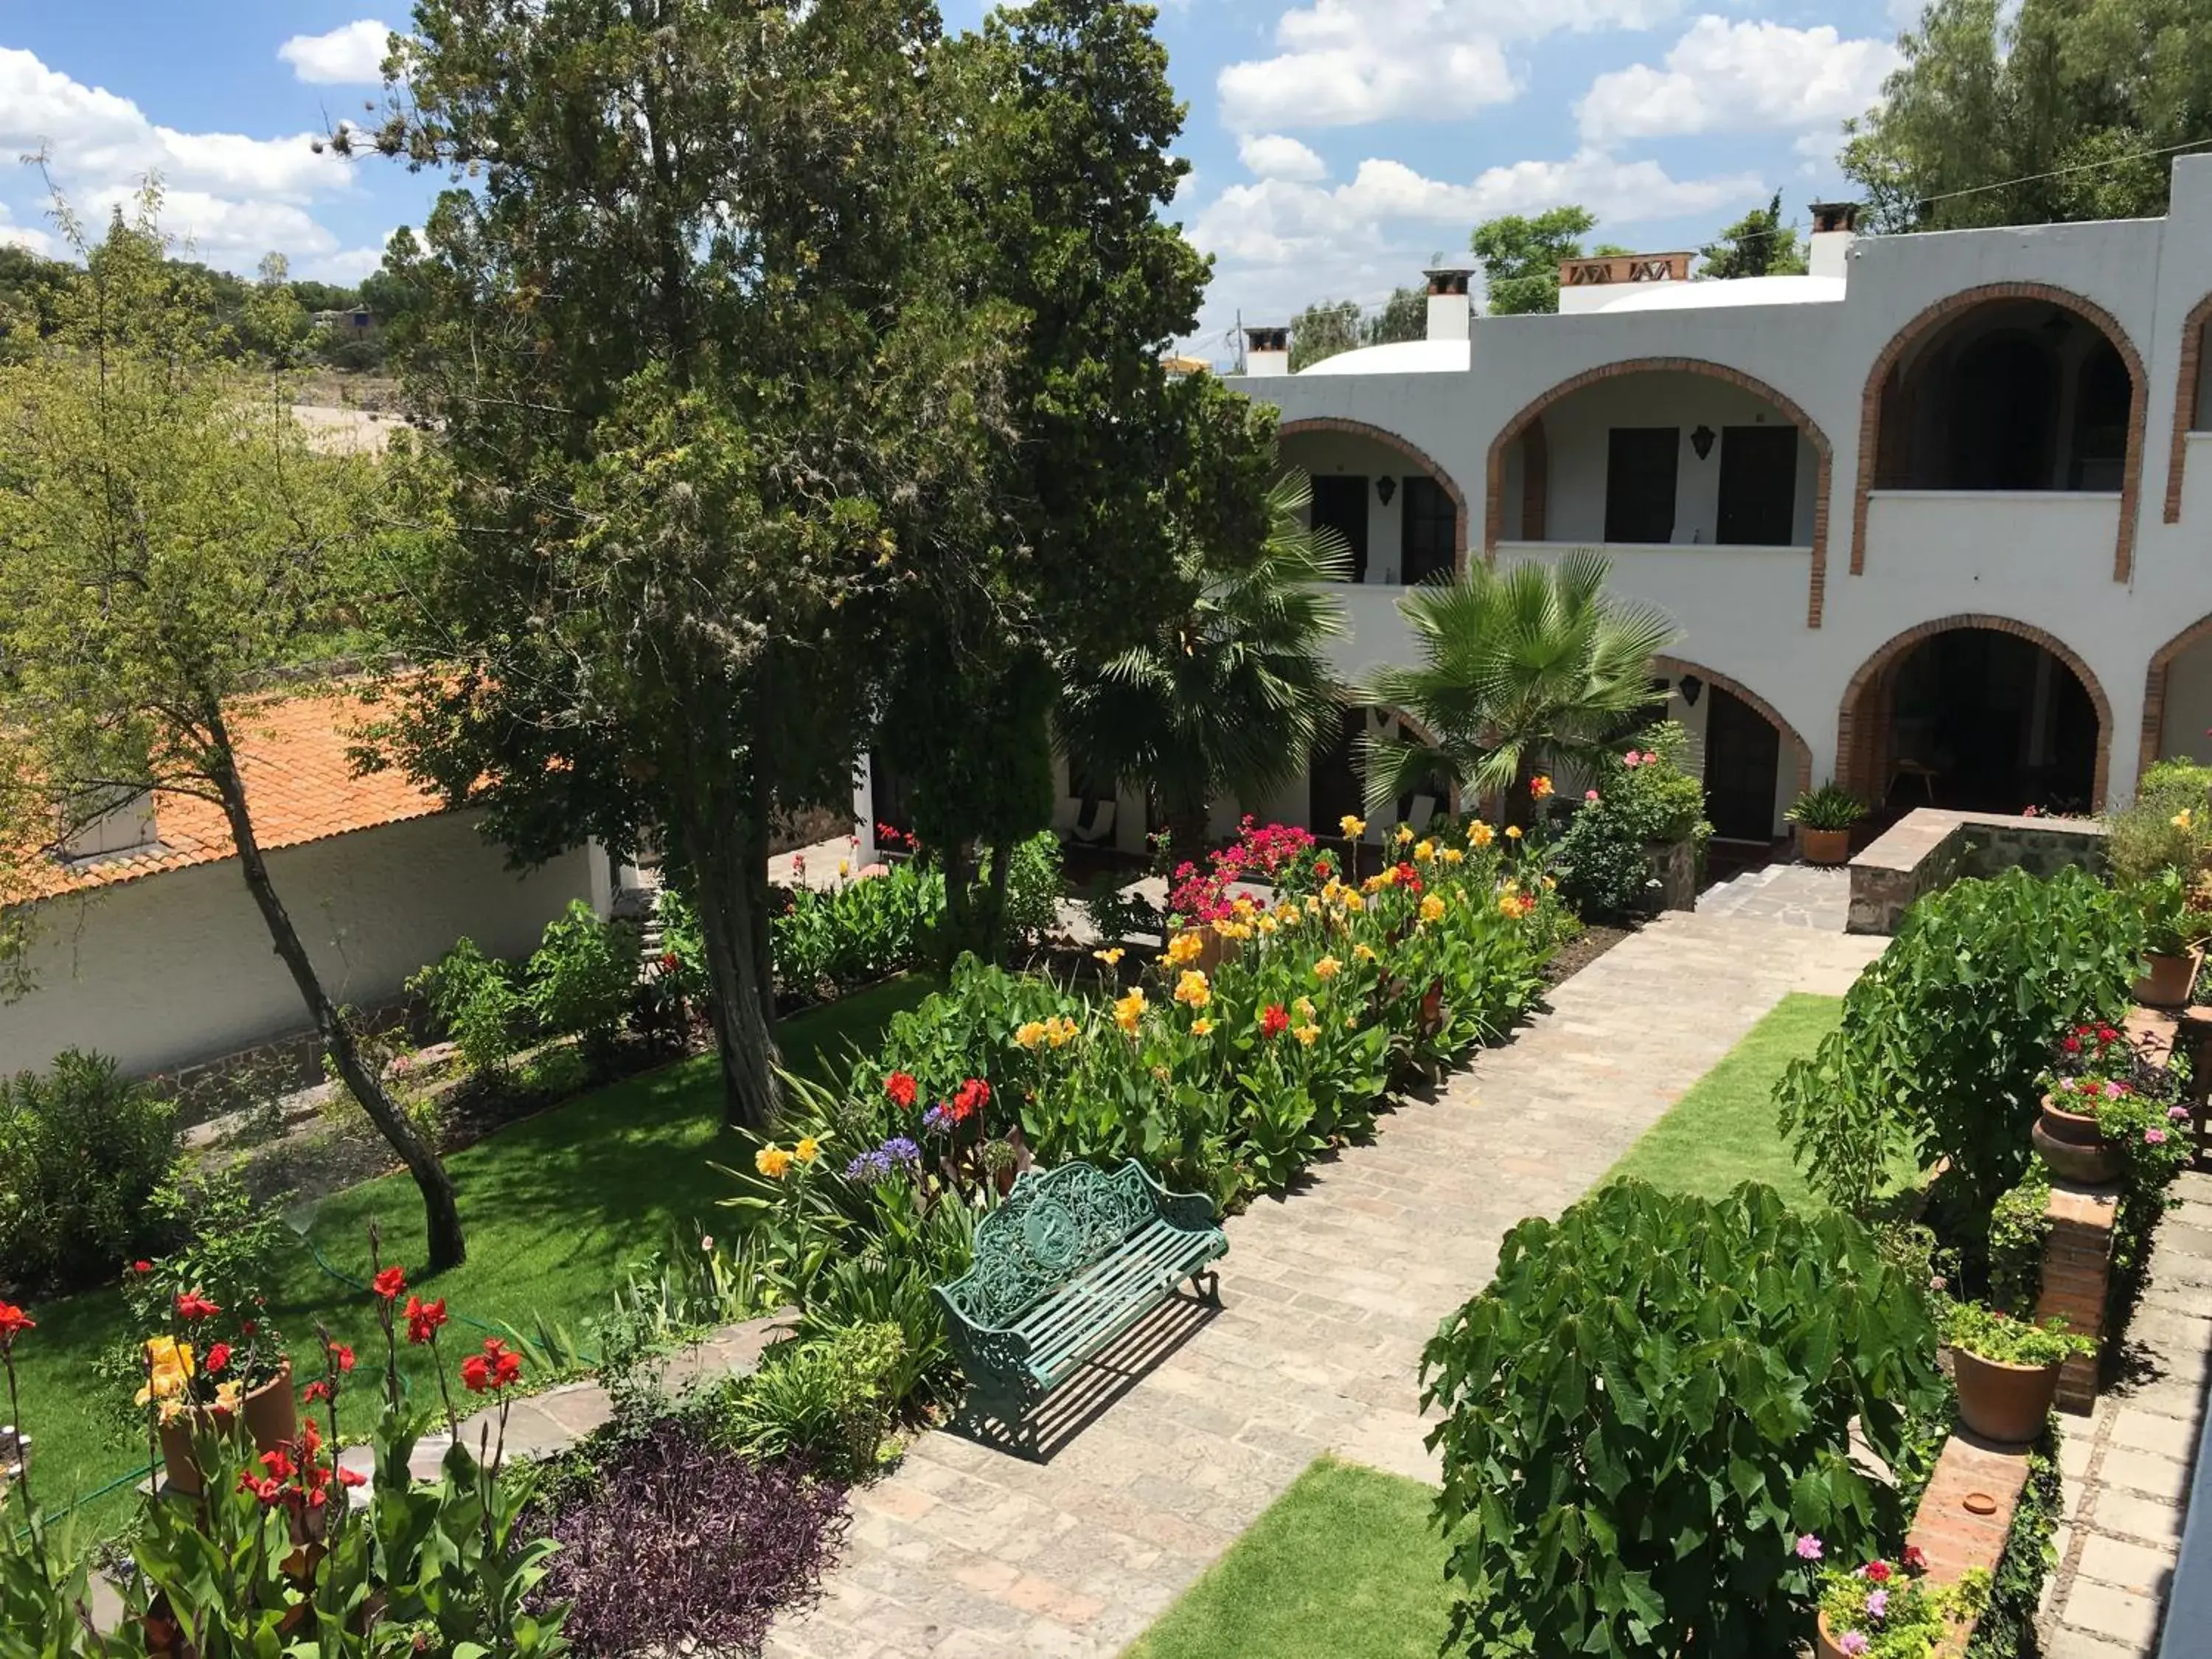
1676, 667
1413, 452
2153, 719
1870, 402
1859, 739
1494, 522
2184, 401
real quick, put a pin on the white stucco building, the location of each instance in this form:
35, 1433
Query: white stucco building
149, 947
1935, 519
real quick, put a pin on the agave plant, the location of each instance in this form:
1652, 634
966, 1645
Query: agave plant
1522, 671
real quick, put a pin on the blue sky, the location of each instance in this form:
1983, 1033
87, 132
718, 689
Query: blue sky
1336, 144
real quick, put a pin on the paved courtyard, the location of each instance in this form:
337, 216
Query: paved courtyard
1793, 894
1328, 1296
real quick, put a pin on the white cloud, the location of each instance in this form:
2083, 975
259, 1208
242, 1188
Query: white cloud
345, 56
30, 236
1271, 155
343, 268
1345, 63
1739, 77
221, 230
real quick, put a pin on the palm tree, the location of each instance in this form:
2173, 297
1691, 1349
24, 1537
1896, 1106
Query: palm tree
1231, 696
1526, 670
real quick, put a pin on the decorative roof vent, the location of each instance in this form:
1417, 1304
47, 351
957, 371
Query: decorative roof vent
1450, 311
110, 822
1588, 284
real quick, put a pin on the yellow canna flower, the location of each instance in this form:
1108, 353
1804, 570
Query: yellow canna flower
1432, 908
1199, 1027
1353, 828
1265, 921
1508, 904
772, 1162
1185, 947
1029, 1033
844, 866
2180, 820
1231, 929
1192, 990
1306, 1034
1363, 952
1327, 968
1128, 1010
1481, 834
168, 1368
1354, 903
1512, 832
1110, 957
1242, 908
1304, 1008
1405, 833
808, 1149
1549, 884
228, 1396
1288, 913
1424, 850
1312, 904
1453, 855
1059, 1030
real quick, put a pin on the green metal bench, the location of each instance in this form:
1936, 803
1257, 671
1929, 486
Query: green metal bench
1072, 1258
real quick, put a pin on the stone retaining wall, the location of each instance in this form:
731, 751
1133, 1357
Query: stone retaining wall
1932, 848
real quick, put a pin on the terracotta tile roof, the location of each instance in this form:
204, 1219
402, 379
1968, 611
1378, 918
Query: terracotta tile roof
299, 784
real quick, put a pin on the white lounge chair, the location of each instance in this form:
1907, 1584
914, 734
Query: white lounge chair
1098, 823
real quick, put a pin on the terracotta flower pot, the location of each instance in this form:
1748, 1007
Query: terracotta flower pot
2001, 1402
2170, 980
1824, 846
2072, 1147
271, 1418
1825, 1647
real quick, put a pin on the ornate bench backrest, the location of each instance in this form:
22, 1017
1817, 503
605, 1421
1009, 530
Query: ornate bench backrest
1053, 1225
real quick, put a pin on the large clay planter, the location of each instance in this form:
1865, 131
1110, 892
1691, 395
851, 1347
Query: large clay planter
1825, 1647
2072, 1147
2170, 980
271, 1418
1824, 846
2004, 1403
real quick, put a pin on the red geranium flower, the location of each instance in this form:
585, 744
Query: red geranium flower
190, 1304
142, 1266
1275, 1020
1877, 1572
902, 1090
389, 1283
1916, 1559
970, 1098
14, 1322
218, 1356
423, 1319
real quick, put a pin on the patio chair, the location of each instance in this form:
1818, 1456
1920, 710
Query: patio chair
1425, 808
1096, 823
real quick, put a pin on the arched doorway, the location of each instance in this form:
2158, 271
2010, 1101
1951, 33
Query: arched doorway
2192, 399
1336, 781
1752, 762
1978, 714
2015, 387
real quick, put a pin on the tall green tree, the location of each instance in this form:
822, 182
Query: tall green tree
2030, 116
1757, 245
1527, 668
167, 536
1232, 694
1062, 169
706, 398
1520, 257
1330, 326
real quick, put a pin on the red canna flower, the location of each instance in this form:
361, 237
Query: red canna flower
14, 1322
278, 1462
1275, 1020
423, 1319
497, 1368
389, 1283
316, 1390
190, 1304
902, 1090
267, 1490
970, 1098
218, 1356
350, 1477
342, 1356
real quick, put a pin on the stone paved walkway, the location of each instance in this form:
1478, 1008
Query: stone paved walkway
1329, 1296
2127, 1466
1795, 895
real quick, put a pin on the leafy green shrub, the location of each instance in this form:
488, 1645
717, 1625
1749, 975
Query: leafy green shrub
1644, 799
1648, 1407
2168, 825
2020, 1227
828, 941
477, 1001
1830, 806
82, 1150
583, 979
1034, 887
1114, 916
827, 1399
1942, 1039
2003, 1340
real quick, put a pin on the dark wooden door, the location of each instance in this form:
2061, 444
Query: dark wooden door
1340, 504
1742, 750
1640, 465
1334, 787
1759, 486
1429, 532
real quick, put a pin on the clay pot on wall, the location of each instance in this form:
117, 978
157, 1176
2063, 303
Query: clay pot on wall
2171, 979
1824, 846
1999, 1402
2072, 1147
271, 1418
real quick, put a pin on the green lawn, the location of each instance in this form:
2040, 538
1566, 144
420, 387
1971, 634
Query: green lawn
1345, 1565
553, 1207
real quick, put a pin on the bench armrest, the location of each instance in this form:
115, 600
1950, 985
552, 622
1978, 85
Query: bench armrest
985, 1351
1191, 1212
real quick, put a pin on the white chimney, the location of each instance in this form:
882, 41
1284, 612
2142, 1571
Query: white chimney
1448, 303
1835, 225
1266, 351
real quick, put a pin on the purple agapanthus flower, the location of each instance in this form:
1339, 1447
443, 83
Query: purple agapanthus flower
939, 1119
900, 1150
868, 1169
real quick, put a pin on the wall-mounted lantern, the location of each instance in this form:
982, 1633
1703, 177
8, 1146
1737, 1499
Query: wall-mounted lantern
1385, 487
1701, 441
1690, 685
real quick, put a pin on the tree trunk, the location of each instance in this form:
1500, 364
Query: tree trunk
733, 928
992, 923
959, 932
441, 1212
1186, 836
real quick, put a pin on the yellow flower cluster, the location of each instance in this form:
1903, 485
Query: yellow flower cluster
1327, 968
1306, 1033
774, 1161
1481, 834
1353, 828
1058, 1031
1191, 989
1128, 1010
168, 1368
2180, 820
1453, 855
1029, 1033
1185, 947
1432, 908
1363, 952
1424, 850
1108, 956
1199, 1027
